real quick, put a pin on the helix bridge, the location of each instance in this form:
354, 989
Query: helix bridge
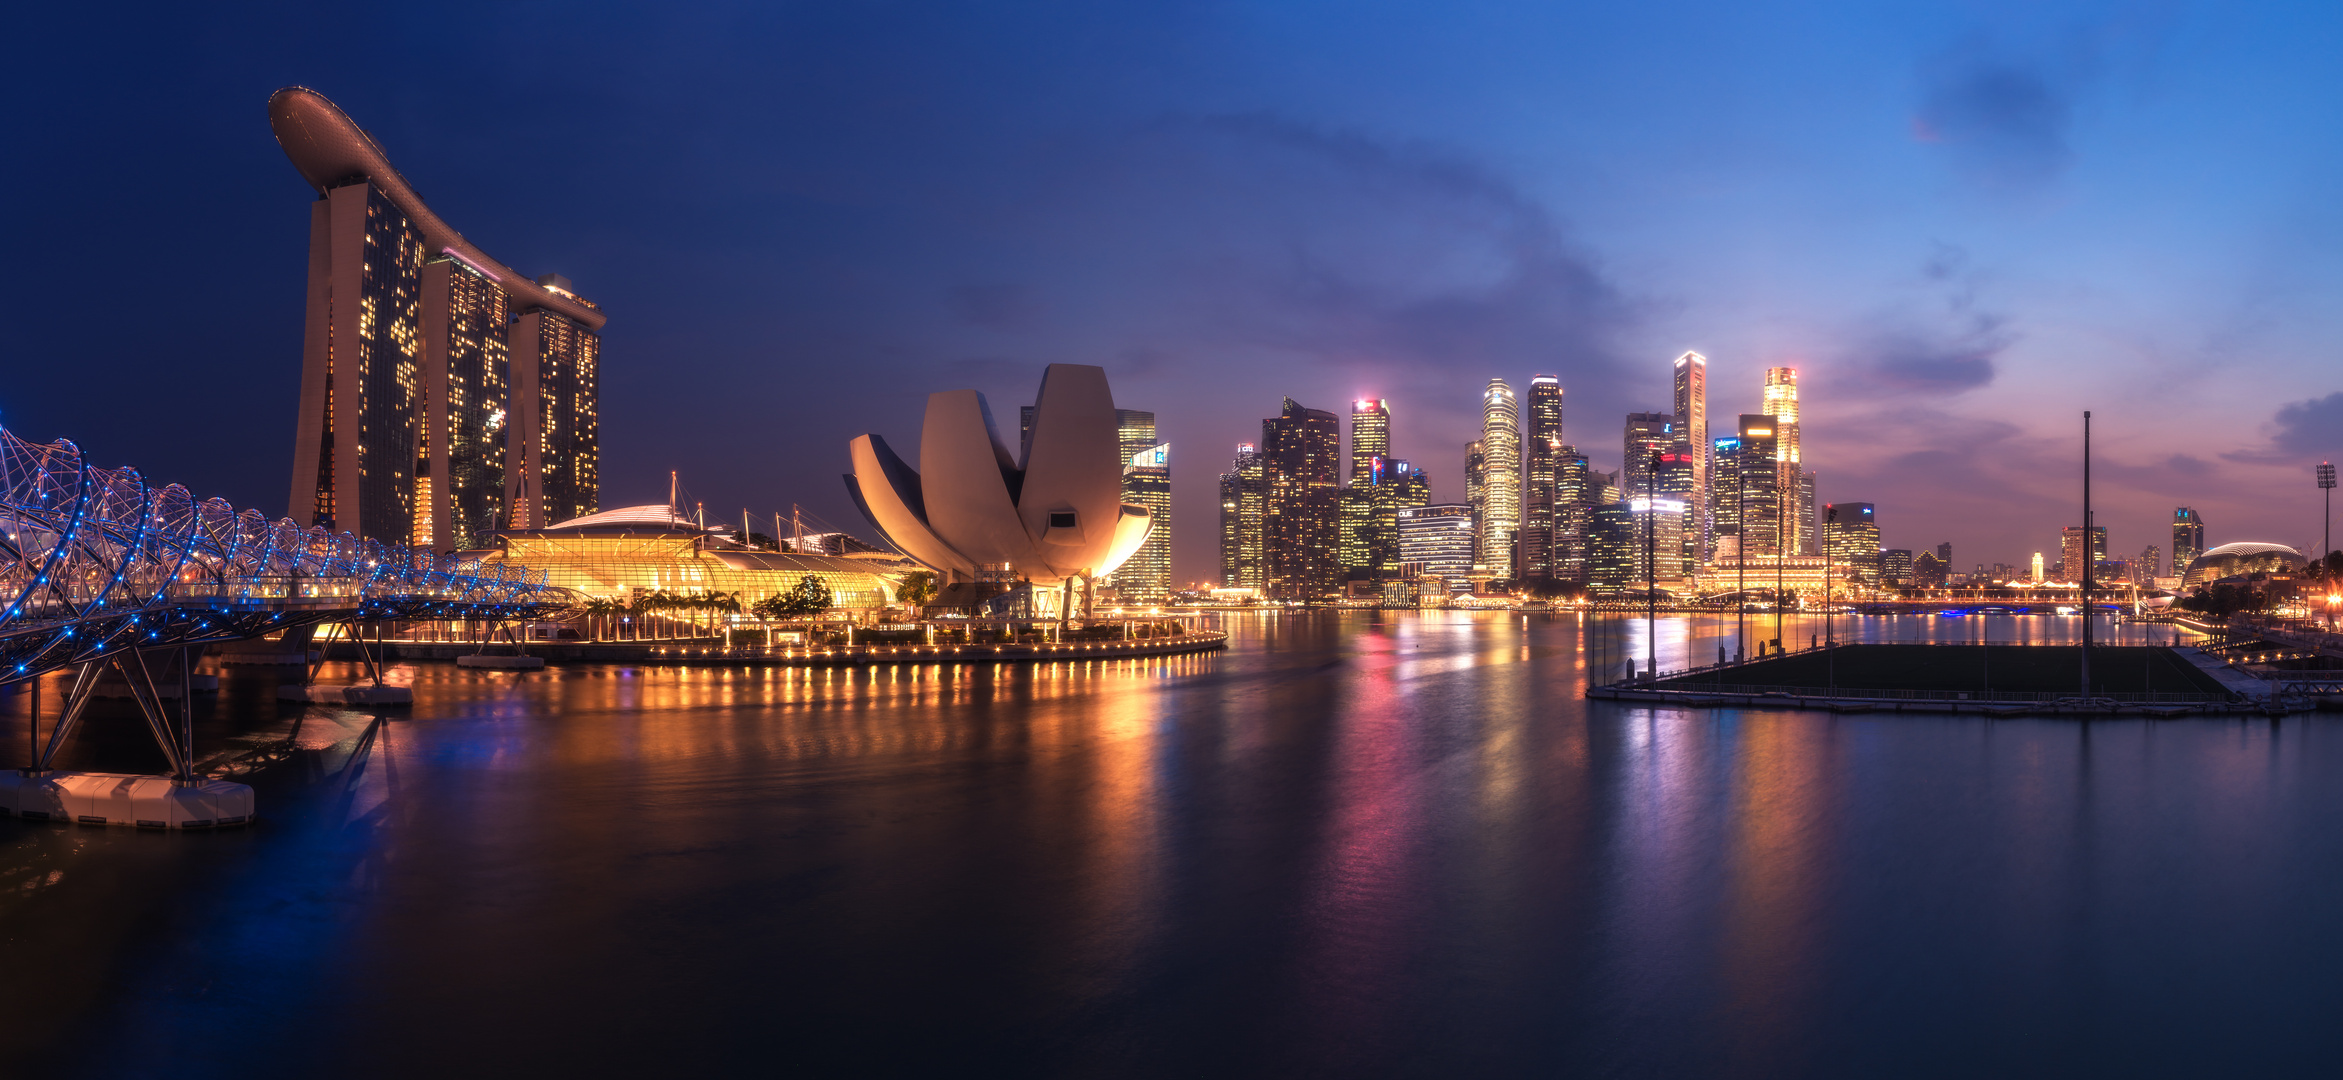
103, 573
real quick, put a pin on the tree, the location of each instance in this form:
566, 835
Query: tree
919, 587
809, 598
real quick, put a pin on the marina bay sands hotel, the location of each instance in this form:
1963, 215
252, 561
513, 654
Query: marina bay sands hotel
444, 395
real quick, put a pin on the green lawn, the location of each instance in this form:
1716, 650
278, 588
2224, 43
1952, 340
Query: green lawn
1970, 668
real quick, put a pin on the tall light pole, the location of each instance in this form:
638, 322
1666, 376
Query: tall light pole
2086, 546
2327, 537
1741, 555
1651, 566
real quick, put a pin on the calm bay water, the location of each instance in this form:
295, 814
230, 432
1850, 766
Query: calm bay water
1353, 844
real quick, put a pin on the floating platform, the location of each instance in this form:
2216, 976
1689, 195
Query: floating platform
147, 802
168, 689
347, 695
501, 663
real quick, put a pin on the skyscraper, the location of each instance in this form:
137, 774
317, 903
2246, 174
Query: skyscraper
2072, 554
1760, 514
1500, 478
2188, 539
1301, 452
1674, 485
1545, 440
556, 393
1146, 577
1781, 403
1243, 512
2149, 566
1691, 383
1895, 567
467, 376
1439, 539
2036, 571
1648, 433
1728, 494
1476, 496
1573, 494
442, 393
1850, 536
1366, 545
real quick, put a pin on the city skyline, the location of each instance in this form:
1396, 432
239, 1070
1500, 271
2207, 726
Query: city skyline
1956, 271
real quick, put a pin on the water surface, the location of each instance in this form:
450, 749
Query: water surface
1353, 844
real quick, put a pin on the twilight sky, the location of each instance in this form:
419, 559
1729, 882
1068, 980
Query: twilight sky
1963, 225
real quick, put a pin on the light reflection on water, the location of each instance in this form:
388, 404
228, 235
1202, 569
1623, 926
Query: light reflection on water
1354, 843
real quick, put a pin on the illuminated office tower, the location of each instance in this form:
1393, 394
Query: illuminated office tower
1545, 440
1807, 517
2072, 555
1758, 510
2150, 565
1438, 538
1724, 478
1365, 548
1134, 435
1500, 478
1895, 566
1370, 438
1409, 488
1648, 433
2188, 539
1476, 497
2038, 574
1301, 455
1691, 385
1243, 508
1146, 577
1674, 483
1574, 492
467, 374
1850, 536
1781, 403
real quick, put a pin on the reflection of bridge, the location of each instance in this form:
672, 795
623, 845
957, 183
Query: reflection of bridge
98, 570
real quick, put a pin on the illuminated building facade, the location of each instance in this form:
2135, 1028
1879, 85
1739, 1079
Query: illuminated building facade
1675, 481
1300, 451
1850, 537
1500, 479
557, 426
2150, 564
1538, 503
2072, 554
1626, 539
2188, 538
1574, 494
1758, 509
633, 551
1367, 544
1244, 508
1895, 567
1476, 496
1648, 434
467, 373
1146, 577
1691, 387
419, 353
1797, 497
1438, 540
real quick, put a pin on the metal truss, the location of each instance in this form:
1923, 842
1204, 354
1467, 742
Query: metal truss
95, 563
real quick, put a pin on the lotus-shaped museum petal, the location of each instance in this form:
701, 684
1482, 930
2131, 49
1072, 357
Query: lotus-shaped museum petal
1053, 512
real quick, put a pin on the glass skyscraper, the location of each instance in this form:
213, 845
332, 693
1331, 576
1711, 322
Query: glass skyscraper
1300, 451
1243, 510
1146, 577
1500, 479
1438, 539
1538, 509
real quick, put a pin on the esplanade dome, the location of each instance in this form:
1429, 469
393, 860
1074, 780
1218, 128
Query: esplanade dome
2243, 557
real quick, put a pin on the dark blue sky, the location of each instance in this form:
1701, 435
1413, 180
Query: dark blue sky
1963, 225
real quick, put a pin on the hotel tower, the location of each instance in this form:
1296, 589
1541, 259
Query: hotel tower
443, 394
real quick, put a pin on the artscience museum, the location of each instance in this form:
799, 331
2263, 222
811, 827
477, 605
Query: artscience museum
978, 515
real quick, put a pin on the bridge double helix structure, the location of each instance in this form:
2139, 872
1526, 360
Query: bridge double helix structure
99, 570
